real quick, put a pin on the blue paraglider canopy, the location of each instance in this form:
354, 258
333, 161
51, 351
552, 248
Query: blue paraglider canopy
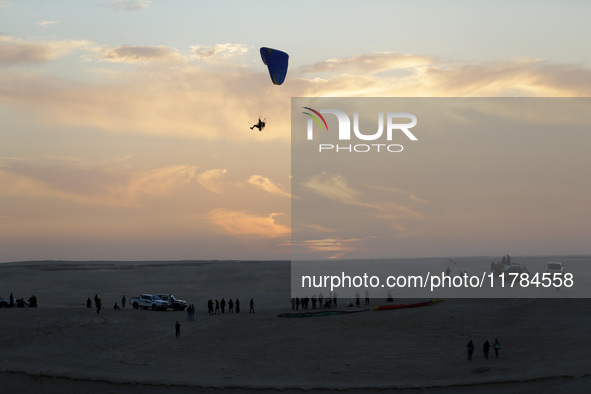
276, 62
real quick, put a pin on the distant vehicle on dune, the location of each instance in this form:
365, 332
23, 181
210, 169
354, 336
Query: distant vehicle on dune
174, 303
515, 267
148, 301
4, 302
555, 268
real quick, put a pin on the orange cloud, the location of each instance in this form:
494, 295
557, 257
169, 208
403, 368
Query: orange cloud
193, 103
160, 182
320, 229
336, 248
398, 209
369, 63
244, 224
106, 184
132, 54
267, 185
336, 187
14, 51
201, 101
219, 51
210, 179
400, 75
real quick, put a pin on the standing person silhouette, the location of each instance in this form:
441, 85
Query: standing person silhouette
497, 346
470, 348
251, 306
486, 348
177, 329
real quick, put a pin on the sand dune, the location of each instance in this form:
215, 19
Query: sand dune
64, 346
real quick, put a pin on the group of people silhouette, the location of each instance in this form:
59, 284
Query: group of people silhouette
216, 307
98, 303
221, 306
485, 348
317, 302
191, 312
20, 302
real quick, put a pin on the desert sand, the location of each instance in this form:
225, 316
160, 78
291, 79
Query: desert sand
62, 346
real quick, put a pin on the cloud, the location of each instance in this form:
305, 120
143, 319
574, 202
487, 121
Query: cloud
377, 198
396, 204
131, 54
14, 51
110, 183
334, 247
369, 63
46, 24
389, 74
240, 223
396, 209
320, 229
335, 187
172, 95
192, 102
159, 182
219, 51
130, 5
210, 179
267, 185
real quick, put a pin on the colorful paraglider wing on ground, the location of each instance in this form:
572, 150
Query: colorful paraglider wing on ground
276, 62
376, 308
401, 306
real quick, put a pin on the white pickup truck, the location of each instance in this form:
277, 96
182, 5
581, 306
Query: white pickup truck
148, 301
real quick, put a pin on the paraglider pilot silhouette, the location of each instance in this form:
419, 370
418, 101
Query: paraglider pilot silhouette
260, 125
276, 61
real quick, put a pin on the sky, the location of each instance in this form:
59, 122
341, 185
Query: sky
471, 175
125, 132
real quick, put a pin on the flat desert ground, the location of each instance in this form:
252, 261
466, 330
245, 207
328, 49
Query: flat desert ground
62, 346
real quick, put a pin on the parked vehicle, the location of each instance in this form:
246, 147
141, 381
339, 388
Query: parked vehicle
555, 268
515, 267
174, 303
4, 302
148, 301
